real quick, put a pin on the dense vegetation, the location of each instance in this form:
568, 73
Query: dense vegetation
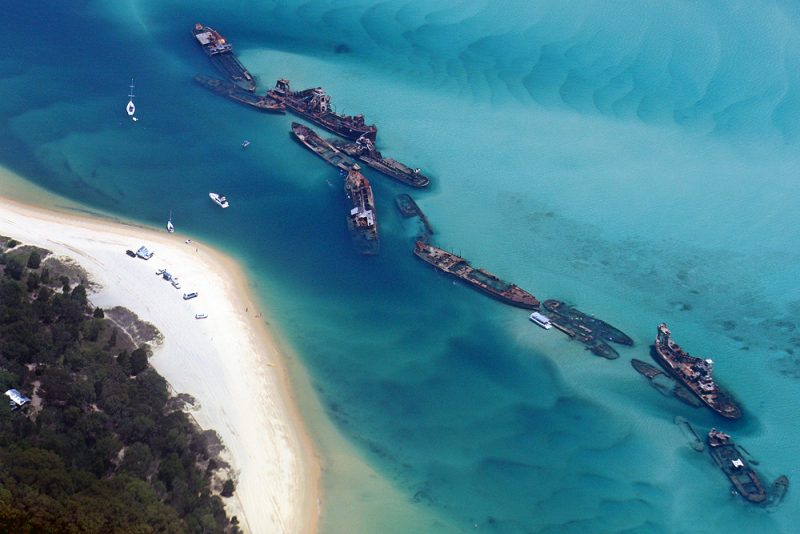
102, 448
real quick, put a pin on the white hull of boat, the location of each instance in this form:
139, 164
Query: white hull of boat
219, 200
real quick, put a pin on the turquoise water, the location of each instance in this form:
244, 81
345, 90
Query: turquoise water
638, 161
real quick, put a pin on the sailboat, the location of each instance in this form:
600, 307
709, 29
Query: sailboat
131, 108
170, 226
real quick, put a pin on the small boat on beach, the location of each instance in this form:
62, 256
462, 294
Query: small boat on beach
219, 200
130, 109
170, 226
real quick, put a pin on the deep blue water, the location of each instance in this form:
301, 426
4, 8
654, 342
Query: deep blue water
638, 161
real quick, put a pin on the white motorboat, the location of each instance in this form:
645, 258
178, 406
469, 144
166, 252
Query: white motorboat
170, 226
219, 200
131, 107
541, 320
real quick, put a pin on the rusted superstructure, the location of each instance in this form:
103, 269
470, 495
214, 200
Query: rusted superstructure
315, 105
587, 329
361, 220
364, 150
694, 373
727, 456
220, 52
480, 279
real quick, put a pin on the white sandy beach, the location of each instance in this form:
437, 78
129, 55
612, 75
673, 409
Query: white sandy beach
228, 362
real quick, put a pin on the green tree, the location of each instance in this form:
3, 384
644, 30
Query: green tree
124, 362
138, 360
14, 268
79, 294
34, 260
32, 281
138, 460
228, 488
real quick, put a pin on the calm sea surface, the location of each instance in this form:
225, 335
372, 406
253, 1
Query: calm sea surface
638, 160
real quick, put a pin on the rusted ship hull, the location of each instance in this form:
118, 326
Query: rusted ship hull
329, 121
744, 479
388, 166
237, 94
694, 373
221, 55
594, 327
645, 369
777, 491
479, 279
408, 208
688, 431
314, 106
322, 148
361, 221
232, 68
398, 171
665, 384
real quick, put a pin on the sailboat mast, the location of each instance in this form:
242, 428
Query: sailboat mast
131, 95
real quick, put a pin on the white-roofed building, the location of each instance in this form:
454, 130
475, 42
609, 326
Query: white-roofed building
16, 399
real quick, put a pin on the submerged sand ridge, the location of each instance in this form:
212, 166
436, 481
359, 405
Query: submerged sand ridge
228, 361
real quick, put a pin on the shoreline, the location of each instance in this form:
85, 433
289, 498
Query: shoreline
232, 358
